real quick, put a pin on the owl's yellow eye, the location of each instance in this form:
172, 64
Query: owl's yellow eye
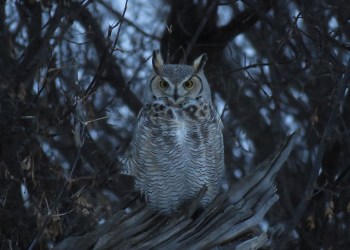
188, 84
163, 84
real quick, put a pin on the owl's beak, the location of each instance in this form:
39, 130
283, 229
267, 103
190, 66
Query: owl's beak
175, 94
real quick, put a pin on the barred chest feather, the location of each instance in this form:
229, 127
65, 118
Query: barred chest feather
173, 154
186, 121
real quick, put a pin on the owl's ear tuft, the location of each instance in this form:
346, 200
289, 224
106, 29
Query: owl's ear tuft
157, 61
200, 62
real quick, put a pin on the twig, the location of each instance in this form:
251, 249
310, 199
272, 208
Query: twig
319, 156
79, 140
100, 68
49, 215
254, 65
201, 26
120, 27
128, 21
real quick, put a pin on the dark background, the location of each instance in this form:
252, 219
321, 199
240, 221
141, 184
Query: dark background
71, 81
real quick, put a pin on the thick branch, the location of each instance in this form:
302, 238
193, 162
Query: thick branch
229, 218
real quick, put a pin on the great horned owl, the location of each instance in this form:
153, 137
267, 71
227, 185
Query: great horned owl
177, 145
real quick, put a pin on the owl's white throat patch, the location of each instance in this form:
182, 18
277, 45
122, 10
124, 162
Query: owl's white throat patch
181, 131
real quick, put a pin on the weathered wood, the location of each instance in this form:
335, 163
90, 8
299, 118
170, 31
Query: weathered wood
231, 220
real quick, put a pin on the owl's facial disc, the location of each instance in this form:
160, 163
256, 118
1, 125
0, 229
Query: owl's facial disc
176, 91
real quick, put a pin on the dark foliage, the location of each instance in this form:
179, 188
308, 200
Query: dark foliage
71, 79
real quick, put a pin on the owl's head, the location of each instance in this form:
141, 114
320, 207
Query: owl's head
177, 82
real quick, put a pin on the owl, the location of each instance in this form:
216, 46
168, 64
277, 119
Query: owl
177, 145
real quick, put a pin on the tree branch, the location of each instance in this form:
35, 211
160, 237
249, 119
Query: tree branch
230, 219
310, 187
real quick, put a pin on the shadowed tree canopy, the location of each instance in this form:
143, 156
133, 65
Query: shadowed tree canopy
72, 75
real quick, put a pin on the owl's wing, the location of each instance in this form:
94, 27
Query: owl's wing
219, 152
126, 158
218, 118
